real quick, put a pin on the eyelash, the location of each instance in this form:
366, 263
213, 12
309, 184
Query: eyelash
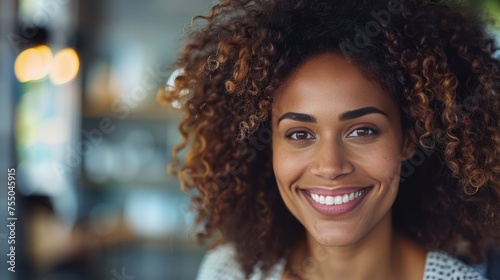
290, 136
373, 132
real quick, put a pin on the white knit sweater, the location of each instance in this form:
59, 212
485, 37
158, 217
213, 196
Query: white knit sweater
221, 264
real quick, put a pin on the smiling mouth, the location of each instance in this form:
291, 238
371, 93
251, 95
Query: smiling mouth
340, 201
336, 200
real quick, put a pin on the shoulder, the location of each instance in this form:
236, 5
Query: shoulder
220, 264
440, 266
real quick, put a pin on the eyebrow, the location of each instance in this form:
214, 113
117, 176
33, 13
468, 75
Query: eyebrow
297, 117
349, 115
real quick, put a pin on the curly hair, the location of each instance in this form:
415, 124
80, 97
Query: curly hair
435, 59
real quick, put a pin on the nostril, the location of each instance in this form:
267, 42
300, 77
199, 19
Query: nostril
332, 168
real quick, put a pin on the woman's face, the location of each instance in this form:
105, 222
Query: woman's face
337, 149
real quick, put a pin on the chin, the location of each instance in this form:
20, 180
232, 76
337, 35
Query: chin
333, 237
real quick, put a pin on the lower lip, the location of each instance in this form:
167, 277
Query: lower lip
335, 210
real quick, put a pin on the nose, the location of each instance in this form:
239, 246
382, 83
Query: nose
331, 160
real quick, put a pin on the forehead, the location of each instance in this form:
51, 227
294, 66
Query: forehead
331, 83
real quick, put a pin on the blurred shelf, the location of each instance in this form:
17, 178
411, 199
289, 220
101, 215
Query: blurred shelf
154, 112
168, 182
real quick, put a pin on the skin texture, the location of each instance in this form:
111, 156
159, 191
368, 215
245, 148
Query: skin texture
329, 153
435, 60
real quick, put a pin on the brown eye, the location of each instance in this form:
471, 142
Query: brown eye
362, 131
300, 135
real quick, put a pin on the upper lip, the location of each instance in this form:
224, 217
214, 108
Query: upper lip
329, 191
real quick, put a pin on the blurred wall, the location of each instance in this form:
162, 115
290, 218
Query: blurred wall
80, 124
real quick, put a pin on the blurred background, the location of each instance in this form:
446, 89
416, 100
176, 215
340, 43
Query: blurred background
80, 124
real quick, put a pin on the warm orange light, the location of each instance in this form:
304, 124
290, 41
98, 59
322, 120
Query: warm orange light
33, 63
65, 66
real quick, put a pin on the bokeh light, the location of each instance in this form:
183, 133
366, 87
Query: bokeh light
65, 66
33, 63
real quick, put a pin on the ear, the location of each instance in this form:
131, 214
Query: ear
409, 147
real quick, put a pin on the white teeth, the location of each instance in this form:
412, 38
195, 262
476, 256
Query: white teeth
329, 200
339, 199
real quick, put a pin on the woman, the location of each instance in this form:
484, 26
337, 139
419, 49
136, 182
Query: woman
341, 139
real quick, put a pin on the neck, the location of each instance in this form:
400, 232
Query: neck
377, 256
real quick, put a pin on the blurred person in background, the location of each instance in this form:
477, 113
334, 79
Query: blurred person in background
341, 139
57, 251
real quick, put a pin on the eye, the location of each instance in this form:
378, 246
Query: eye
300, 135
363, 131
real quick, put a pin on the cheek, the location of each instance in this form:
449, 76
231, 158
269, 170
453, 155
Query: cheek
283, 165
392, 167
288, 165
277, 157
382, 162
